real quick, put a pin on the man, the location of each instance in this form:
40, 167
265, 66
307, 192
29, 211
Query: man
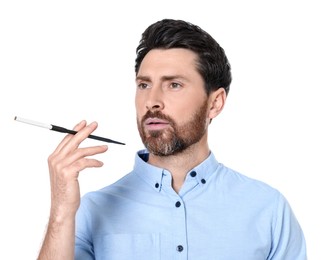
178, 202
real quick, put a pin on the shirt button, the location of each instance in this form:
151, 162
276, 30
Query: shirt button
157, 185
193, 174
203, 181
177, 204
179, 248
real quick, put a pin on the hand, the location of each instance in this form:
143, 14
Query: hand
65, 164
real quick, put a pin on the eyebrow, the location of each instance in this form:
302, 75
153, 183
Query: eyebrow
163, 78
142, 78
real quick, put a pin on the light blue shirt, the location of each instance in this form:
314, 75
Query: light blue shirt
219, 214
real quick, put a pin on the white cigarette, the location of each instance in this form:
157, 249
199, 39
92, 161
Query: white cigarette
31, 122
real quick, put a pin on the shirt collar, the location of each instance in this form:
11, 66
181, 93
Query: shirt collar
159, 177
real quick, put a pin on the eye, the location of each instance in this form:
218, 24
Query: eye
142, 86
175, 85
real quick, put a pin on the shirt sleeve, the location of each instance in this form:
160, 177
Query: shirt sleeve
288, 238
83, 244
82, 250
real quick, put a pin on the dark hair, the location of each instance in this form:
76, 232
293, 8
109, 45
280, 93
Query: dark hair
212, 63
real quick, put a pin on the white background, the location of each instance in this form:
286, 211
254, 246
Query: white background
63, 61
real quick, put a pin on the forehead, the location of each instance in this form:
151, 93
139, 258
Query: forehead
172, 61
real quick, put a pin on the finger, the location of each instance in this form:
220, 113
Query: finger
70, 171
74, 142
79, 154
62, 160
83, 164
67, 151
67, 138
80, 125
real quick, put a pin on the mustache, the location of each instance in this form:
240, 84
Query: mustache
157, 114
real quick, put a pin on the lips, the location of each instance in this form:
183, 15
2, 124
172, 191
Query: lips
155, 124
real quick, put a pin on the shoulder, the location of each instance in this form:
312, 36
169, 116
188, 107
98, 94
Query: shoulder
109, 191
237, 180
241, 188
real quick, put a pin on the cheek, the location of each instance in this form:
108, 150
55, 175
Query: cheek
138, 106
185, 110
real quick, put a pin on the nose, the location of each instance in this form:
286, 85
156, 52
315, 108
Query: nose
154, 100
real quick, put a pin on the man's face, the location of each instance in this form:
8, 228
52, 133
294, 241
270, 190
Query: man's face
171, 102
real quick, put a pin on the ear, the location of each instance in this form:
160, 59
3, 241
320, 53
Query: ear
217, 102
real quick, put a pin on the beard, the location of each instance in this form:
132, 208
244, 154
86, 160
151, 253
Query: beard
175, 138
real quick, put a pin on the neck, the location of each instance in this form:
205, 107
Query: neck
180, 164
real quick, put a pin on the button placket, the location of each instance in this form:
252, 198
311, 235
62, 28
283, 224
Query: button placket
180, 239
